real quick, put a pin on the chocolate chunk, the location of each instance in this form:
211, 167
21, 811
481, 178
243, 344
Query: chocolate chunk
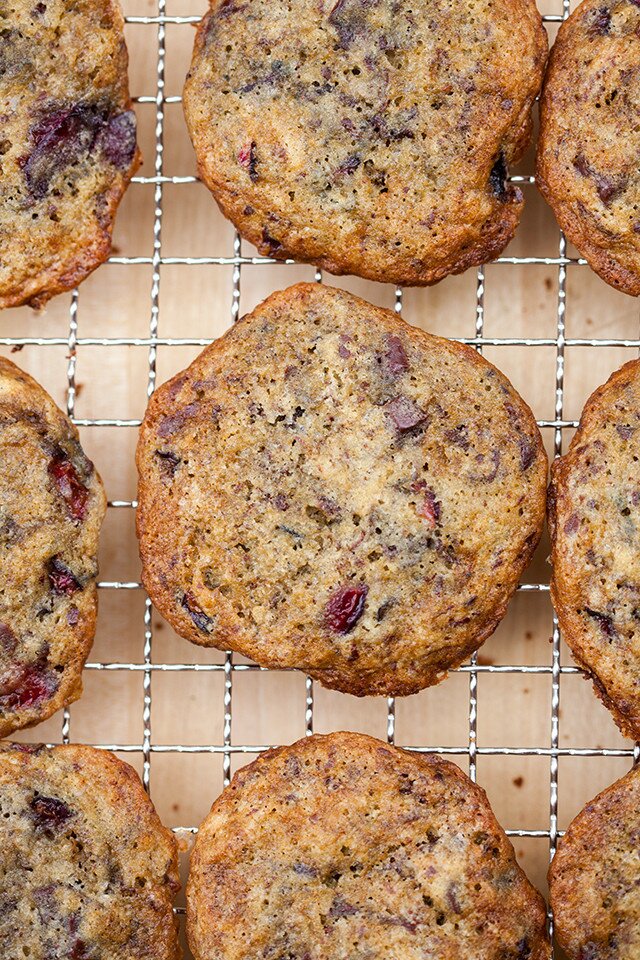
169, 461
202, 620
342, 908
345, 608
601, 22
405, 413
603, 620
117, 139
175, 421
459, 436
273, 244
394, 360
8, 640
62, 579
348, 166
498, 179
527, 452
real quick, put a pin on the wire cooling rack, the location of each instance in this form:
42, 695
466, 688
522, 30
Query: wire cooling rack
228, 747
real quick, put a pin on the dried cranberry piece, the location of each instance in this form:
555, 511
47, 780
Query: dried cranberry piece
459, 436
345, 608
405, 413
202, 620
117, 139
248, 158
49, 812
61, 138
31, 686
348, 166
61, 578
69, 485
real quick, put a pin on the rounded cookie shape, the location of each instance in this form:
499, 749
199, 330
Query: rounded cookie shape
594, 519
341, 846
587, 163
67, 142
594, 878
52, 504
368, 138
329, 488
88, 870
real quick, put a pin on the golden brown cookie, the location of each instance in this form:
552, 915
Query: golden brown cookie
594, 879
587, 165
329, 488
88, 872
344, 848
52, 504
67, 142
367, 137
594, 518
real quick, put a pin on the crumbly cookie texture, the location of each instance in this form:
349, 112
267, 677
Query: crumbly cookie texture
329, 488
344, 848
594, 518
52, 504
67, 142
367, 137
594, 879
88, 871
587, 165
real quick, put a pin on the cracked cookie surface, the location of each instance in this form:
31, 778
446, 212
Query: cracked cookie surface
345, 848
329, 488
88, 871
67, 142
367, 137
594, 507
587, 164
594, 878
52, 504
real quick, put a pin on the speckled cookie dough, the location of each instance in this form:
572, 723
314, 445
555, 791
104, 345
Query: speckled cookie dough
52, 504
590, 137
367, 137
594, 506
344, 848
329, 488
88, 872
594, 879
67, 142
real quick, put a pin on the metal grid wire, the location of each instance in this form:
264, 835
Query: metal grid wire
559, 424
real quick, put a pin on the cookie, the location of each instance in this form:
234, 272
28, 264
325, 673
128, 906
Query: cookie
52, 504
343, 847
594, 879
587, 164
369, 138
88, 870
594, 518
329, 488
67, 142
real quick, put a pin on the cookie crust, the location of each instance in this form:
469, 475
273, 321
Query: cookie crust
593, 512
88, 870
67, 143
589, 141
594, 877
317, 490
341, 846
367, 138
52, 504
